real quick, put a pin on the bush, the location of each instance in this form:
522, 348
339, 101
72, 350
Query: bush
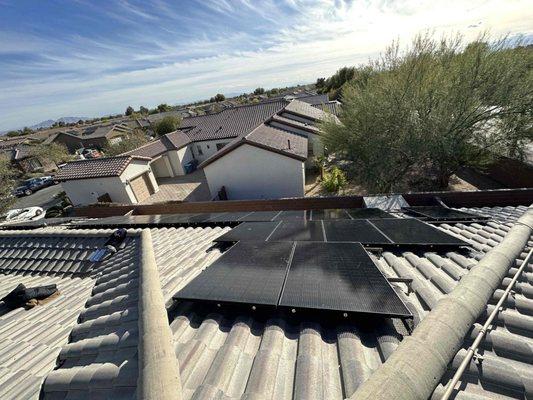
167, 125
334, 180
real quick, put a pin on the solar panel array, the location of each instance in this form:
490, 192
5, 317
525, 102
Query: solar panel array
297, 275
383, 232
437, 213
231, 218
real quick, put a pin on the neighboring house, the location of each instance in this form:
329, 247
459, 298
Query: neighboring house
115, 330
253, 151
122, 179
169, 154
97, 136
267, 163
21, 157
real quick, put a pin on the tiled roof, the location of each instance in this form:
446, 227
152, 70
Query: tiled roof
96, 167
231, 122
314, 99
31, 340
306, 110
333, 107
170, 141
268, 138
243, 354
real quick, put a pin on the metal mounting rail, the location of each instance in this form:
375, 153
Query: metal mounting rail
472, 350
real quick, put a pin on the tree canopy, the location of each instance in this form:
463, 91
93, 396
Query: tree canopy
413, 118
7, 184
129, 110
52, 152
131, 142
259, 90
163, 107
167, 125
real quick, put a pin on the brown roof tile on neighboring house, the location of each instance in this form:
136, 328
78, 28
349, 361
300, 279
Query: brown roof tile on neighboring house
231, 122
268, 138
170, 141
96, 167
306, 110
333, 107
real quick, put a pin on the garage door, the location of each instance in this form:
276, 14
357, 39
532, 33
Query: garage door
142, 187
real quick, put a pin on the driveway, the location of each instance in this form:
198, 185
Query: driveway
191, 187
43, 198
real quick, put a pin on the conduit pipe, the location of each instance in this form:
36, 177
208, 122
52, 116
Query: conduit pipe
416, 367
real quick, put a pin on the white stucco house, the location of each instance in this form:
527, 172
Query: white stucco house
268, 163
257, 151
122, 179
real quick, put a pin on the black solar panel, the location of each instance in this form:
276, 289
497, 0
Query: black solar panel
230, 216
170, 219
260, 216
328, 214
298, 230
353, 231
249, 231
412, 231
436, 213
366, 213
340, 277
292, 215
249, 272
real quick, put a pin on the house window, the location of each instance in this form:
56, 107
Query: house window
200, 152
220, 146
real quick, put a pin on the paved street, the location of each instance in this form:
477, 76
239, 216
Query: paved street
43, 198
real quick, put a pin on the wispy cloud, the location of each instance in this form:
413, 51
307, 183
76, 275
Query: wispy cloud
95, 58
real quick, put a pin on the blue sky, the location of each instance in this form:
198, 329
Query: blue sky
96, 57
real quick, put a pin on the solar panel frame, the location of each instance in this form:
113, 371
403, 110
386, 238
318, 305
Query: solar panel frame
327, 214
411, 231
438, 213
230, 216
338, 277
249, 231
298, 230
259, 216
358, 230
367, 213
292, 215
250, 273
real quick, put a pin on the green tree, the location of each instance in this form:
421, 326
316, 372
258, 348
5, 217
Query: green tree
420, 115
14, 133
219, 97
163, 107
129, 110
51, 153
143, 110
167, 125
320, 82
131, 142
7, 184
259, 90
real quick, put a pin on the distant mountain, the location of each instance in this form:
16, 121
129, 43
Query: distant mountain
49, 122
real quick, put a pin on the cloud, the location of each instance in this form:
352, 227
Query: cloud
145, 53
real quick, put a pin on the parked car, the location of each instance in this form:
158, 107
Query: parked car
91, 153
24, 214
32, 185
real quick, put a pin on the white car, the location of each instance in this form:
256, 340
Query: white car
24, 214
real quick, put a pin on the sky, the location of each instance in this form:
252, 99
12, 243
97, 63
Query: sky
95, 57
